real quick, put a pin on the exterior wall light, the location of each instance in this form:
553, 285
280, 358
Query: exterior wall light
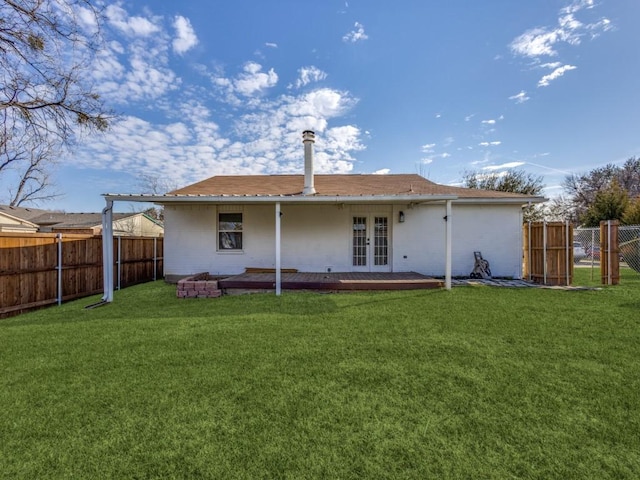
401, 217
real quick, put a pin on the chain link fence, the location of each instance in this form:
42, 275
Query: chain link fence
586, 247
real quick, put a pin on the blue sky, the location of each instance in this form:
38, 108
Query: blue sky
207, 87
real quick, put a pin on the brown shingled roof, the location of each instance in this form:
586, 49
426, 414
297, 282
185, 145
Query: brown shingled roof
331, 185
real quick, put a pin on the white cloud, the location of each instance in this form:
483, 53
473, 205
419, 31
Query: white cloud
557, 73
184, 140
324, 102
550, 65
489, 122
520, 97
87, 18
535, 43
356, 35
428, 148
308, 75
254, 80
382, 171
185, 36
576, 6
543, 41
130, 25
490, 144
271, 45
504, 166
427, 161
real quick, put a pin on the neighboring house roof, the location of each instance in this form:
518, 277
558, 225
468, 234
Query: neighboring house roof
74, 220
21, 212
45, 219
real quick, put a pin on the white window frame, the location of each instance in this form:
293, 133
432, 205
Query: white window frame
220, 231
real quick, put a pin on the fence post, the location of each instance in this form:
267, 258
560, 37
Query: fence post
544, 252
608, 252
530, 255
567, 252
59, 267
119, 259
593, 239
155, 258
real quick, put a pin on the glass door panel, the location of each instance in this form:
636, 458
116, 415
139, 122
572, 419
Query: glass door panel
381, 241
359, 252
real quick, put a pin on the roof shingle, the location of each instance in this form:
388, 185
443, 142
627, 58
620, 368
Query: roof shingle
331, 185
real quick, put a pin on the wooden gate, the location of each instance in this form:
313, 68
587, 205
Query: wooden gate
609, 252
548, 253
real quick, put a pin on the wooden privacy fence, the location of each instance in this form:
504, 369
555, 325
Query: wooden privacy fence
548, 253
549, 249
43, 269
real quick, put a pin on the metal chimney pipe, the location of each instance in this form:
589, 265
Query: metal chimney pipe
308, 139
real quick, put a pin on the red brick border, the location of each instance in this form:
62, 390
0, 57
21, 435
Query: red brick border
198, 286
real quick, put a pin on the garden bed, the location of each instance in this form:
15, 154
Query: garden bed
201, 285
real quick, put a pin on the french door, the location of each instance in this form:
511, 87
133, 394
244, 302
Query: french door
370, 243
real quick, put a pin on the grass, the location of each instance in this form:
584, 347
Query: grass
477, 382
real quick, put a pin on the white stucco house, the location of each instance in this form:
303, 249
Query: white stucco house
337, 223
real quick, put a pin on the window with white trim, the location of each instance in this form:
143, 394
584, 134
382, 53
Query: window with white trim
229, 231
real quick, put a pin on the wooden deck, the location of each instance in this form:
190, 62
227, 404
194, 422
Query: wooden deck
331, 281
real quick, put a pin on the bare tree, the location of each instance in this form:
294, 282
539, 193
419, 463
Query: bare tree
582, 189
156, 185
560, 209
514, 181
46, 47
26, 163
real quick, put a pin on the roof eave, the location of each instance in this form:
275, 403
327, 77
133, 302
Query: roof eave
503, 200
318, 199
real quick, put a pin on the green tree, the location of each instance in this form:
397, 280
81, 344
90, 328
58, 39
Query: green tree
581, 189
632, 213
608, 204
513, 181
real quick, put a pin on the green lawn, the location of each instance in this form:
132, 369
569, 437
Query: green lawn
477, 382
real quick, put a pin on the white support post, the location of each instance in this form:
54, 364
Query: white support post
448, 240
107, 251
278, 265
